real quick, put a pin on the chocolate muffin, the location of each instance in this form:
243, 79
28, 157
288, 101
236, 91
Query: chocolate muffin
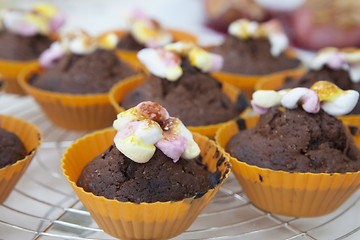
18, 48
96, 72
252, 57
297, 141
11, 148
114, 176
339, 77
196, 97
129, 43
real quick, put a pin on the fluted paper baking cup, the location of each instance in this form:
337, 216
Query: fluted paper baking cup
276, 81
127, 220
285, 193
10, 71
130, 55
30, 135
82, 112
119, 90
245, 81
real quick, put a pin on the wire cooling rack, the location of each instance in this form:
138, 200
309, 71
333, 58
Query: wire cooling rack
44, 206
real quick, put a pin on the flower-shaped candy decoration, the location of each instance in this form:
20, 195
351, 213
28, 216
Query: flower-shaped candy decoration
322, 94
166, 62
148, 125
347, 59
43, 18
77, 42
272, 30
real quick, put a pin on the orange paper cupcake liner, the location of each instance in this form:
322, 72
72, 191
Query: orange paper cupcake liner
130, 56
127, 220
247, 83
82, 112
31, 137
285, 193
119, 90
10, 71
276, 81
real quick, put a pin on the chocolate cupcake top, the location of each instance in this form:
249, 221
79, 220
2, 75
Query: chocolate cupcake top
80, 64
255, 49
297, 141
24, 34
11, 148
181, 83
153, 158
300, 140
144, 32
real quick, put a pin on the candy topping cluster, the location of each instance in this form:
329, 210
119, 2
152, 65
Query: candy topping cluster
148, 31
166, 62
245, 29
43, 19
347, 59
322, 94
77, 42
148, 126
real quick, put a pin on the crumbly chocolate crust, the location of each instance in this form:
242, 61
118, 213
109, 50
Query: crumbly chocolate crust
297, 141
252, 57
114, 176
11, 148
96, 72
196, 98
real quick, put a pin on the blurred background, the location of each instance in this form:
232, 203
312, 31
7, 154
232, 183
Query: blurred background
310, 24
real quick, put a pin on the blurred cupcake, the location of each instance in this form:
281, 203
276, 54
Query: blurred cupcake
221, 13
146, 32
252, 50
24, 34
338, 66
1, 83
321, 23
19, 141
151, 179
180, 81
73, 83
292, 161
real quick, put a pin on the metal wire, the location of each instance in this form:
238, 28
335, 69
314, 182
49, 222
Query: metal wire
43, 205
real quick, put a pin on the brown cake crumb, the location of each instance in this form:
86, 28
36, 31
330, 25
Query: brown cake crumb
115, 176
297, 141
196, 98
96, 72
18, 48
128, 42
252, 57
11, 148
